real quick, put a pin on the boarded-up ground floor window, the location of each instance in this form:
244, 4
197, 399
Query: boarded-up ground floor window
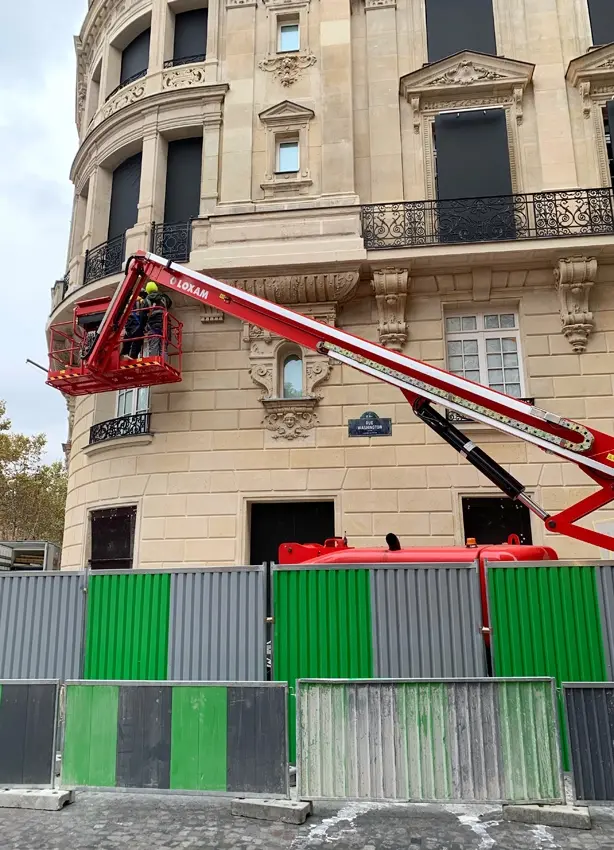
492, 520
112, 531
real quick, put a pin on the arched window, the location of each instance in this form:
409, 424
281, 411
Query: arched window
292, 376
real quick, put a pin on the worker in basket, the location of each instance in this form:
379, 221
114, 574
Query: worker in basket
135, 327
158, 304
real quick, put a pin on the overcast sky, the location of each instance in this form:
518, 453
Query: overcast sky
37, 144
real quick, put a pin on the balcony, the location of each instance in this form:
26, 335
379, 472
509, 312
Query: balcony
172, 241
541, 215
138, 76
456, 418
185, 60
104, 259
123, 426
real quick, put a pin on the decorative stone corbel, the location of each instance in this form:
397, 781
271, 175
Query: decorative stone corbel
574, 278
288, 418
210, 315
391, 287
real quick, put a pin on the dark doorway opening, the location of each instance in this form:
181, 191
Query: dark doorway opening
113, 538
492, 520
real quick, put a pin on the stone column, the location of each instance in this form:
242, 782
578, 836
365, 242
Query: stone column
97, 211
337, 119
213, 37
574, 278
153, 176
161, 33
240, 38
209, 178
391, 287
384, 102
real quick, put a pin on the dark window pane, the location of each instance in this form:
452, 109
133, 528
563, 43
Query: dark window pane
183, 179
190, 34
602, 20
125, 196
455, 25
113, 538
135, 57
608, 120
492, 520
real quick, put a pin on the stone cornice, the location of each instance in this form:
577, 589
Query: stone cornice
596, 66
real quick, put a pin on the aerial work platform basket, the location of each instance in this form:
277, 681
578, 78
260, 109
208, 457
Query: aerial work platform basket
158, 360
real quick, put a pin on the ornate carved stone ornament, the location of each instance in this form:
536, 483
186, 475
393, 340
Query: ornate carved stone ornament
467, 79
287, 68
574, 278
295, 289
593, 76
288, 418
185, 77
380, 4
124, 97
391, 286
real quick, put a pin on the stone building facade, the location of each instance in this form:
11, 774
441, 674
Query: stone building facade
443, 188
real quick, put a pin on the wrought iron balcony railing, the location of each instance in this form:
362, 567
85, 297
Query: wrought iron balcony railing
127, 82
104, 259
453, 416
123, 426
172, 241
185, 60
541, 215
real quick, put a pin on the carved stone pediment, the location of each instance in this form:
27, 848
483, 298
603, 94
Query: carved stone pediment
593, 75
286, 112
468, 76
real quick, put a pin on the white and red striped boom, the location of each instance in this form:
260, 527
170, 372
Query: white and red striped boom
421, 384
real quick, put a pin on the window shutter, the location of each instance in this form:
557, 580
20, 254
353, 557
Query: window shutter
455, 25
125, 196
190, 34
602, 21
473, 162
135, 57
183, 172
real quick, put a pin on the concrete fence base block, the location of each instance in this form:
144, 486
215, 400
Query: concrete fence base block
49, 800
286, 811
570, 817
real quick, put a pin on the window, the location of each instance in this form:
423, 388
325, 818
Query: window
485, 348
112, 538
602, 21
135, 58
131, 402
183, 173
452, 26
292, 376
492, 520
289, 37
287, 157
608, 123
125, 192
190, 44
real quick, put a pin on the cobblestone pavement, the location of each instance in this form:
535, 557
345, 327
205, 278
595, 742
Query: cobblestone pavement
144, 822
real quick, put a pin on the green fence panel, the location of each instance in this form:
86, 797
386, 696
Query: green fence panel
545, 621
228, 739
322, 629
127, 626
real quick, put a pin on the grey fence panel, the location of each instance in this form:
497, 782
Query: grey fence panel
605, 585
478, 740
590, 725
217, 626
41, 625
427, 621
28, 723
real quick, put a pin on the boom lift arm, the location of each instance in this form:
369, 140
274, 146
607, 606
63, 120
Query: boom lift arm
420, 383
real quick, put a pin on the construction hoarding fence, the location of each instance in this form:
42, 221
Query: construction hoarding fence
384, 620
590, 724
489, 740
28, 723
41, 625
188, 625
227, 738
545, 621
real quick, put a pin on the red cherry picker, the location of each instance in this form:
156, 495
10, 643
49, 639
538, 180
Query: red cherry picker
85, 357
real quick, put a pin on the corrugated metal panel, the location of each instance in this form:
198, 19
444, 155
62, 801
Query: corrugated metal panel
426, 621
41, 625
590, 723
322, 628
229, 738
127, 626
429, 741
545, 622
28, 722
605, 583
217, 628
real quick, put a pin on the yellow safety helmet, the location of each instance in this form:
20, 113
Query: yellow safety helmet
151, 287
